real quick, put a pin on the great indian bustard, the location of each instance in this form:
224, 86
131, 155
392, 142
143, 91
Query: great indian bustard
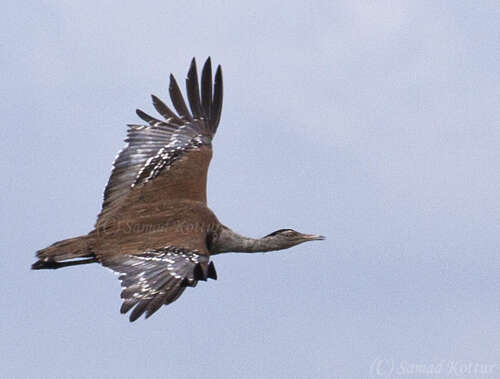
155, 229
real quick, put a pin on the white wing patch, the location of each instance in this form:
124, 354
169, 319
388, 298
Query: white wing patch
157, 277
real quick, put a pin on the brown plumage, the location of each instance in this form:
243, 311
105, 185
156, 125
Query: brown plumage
155, 228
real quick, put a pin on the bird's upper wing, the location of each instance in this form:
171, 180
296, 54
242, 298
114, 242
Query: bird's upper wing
157, 277
183, 138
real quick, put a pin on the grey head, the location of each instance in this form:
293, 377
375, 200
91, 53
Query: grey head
286, 238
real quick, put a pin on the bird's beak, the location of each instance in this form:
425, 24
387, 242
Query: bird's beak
314, 237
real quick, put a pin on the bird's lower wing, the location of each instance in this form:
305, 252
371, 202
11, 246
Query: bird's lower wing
154, 278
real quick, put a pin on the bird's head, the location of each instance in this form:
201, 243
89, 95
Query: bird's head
289, 237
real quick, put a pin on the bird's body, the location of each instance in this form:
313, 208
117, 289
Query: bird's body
155, 228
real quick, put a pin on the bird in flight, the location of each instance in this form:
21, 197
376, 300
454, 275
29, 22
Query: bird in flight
155, 229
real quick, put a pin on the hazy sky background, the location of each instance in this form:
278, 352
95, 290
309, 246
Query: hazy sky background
374, 123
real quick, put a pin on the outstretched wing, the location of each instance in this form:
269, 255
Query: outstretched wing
152, 150
157, 277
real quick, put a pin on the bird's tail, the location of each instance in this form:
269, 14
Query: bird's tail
77, 247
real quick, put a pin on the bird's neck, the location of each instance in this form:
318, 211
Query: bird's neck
229, 241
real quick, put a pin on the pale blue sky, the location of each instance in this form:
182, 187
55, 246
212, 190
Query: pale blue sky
374, 123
